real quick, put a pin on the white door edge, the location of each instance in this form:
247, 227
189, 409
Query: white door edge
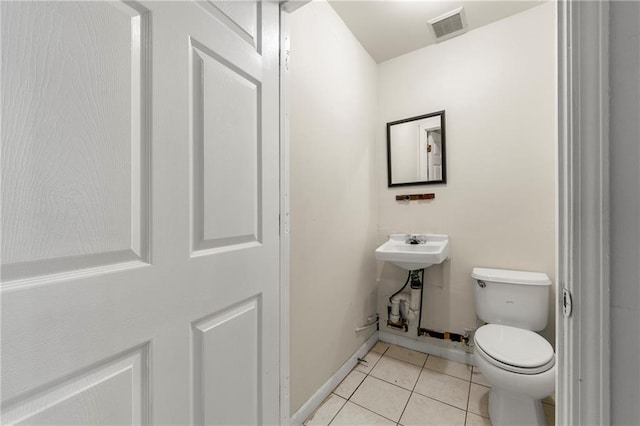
582, 340
286, 8
285, 363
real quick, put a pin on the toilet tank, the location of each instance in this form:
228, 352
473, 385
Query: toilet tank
516, 298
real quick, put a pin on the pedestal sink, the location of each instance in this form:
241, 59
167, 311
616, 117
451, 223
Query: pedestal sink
414, 251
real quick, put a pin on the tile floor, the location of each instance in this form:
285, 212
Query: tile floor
398, 386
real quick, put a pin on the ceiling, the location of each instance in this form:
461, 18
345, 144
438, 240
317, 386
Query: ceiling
390, 28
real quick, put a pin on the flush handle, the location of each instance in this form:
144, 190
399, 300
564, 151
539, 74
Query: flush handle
481, 284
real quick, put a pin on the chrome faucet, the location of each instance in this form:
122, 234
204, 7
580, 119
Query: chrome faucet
416, 239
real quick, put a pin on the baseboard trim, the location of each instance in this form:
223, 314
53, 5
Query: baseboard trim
451, 354
323, 392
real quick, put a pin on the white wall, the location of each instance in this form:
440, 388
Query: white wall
333, 207
497, 86
625, 211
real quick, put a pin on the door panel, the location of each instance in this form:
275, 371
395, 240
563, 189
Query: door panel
240, 326
224, 218
121, 383
141, 162
75, 75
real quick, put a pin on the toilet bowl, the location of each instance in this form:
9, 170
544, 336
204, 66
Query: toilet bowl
518, 363
520, 367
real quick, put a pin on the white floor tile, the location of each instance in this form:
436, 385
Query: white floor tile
370, 360
350, 383
406, 355
353, 415
479, 400
426, 411
380, 347
326, 412
442, 387
391, 388
476, 420
478, 377
381, 397
397, 372
452, 368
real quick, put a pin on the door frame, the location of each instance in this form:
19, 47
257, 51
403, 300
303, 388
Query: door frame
582, 340
285, 240
286, 7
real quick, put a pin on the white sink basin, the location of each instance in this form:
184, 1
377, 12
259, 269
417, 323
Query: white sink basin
425, 251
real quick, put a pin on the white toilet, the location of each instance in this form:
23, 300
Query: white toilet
518, 363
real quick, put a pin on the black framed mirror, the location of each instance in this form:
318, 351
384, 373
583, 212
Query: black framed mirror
416, 151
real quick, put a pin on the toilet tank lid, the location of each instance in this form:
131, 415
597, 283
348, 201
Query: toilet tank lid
513, 277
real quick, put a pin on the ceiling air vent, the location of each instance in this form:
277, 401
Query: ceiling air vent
449, 25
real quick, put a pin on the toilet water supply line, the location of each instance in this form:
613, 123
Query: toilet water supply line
371, 321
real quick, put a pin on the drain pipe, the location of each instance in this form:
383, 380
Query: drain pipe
395, 306
399, 305
400, 300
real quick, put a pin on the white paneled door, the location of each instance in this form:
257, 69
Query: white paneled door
140, 204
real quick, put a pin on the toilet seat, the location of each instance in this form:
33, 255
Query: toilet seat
514, 349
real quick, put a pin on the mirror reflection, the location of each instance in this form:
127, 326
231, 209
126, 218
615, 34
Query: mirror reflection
416, 150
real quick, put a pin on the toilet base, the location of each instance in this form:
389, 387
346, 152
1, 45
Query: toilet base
510, 409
